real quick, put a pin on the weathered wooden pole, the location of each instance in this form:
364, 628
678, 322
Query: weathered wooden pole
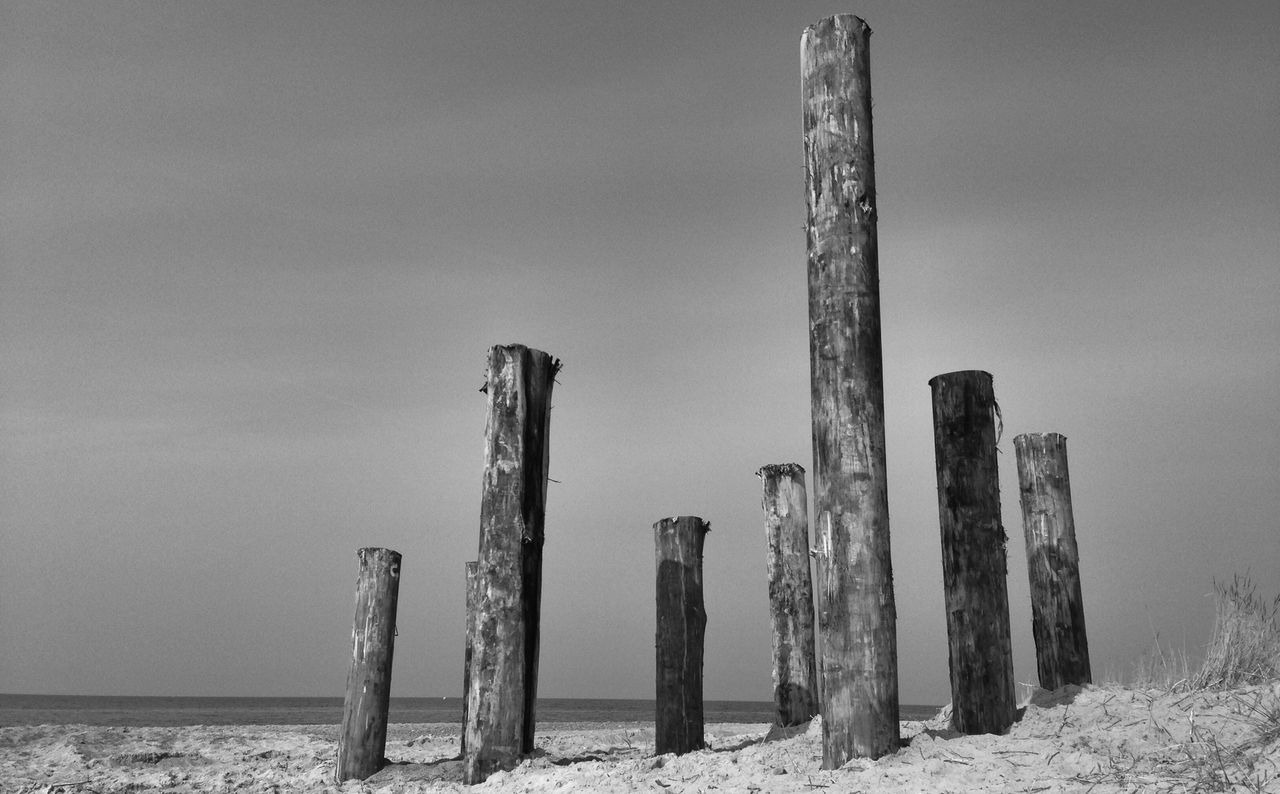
502, 690
1053, 561
786, 524
973, 552
857, 614
363, 740
681, 628
473, 594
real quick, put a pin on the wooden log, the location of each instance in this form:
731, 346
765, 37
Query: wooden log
473, 595
786, 522
362, 742
1053, 561
502, 692
973, 552
856, 608
681, 628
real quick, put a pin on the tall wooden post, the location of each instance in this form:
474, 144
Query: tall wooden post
363, 740
472, 570
1053, 561
681, 628
786, 523
857, 614
973, 552
502, 690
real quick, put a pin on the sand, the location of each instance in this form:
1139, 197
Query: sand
1100, 739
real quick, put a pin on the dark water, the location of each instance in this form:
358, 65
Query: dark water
165, 711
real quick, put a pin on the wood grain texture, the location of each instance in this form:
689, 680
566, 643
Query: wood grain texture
471, 571
1053, 561
974, 567
681, 630
786, 519
362, 741
502, 690
856, 607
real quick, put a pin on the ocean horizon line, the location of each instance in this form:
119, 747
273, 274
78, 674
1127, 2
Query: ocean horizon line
84, 695
199, 695
160, 710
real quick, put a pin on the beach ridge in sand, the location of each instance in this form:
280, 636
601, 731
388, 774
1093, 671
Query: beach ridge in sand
1110, 738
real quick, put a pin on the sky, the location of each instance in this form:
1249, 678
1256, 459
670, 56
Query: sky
254, 256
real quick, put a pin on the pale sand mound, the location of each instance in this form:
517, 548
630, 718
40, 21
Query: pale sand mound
1101, 739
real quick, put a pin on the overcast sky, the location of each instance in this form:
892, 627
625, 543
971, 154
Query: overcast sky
254, 255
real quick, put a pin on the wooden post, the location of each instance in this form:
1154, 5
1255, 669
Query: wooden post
786, 523
502, 690
473, 595
363, 740
973, 552
682, 623
857, 614
1053, 561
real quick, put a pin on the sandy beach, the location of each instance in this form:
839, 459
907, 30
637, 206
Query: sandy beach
1099, 739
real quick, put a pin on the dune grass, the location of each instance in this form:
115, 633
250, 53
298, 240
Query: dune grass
1243, 654
1163, 667
1245, 648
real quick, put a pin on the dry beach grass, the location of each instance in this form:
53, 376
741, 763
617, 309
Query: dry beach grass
1215, 730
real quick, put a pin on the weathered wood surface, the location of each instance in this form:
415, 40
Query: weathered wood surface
681, 630
1053, 561
502, 691
362, 741
857, 612
472, 572
786, 522
974, 567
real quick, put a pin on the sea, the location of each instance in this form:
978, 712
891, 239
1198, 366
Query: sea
159, 711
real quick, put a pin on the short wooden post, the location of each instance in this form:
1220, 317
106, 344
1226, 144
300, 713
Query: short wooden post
502, 690
1053, 561
973, 552
473, 579
363, 740
857, 614
682, 622
786, 523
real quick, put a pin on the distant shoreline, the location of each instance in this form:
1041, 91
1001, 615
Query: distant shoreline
164, 711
